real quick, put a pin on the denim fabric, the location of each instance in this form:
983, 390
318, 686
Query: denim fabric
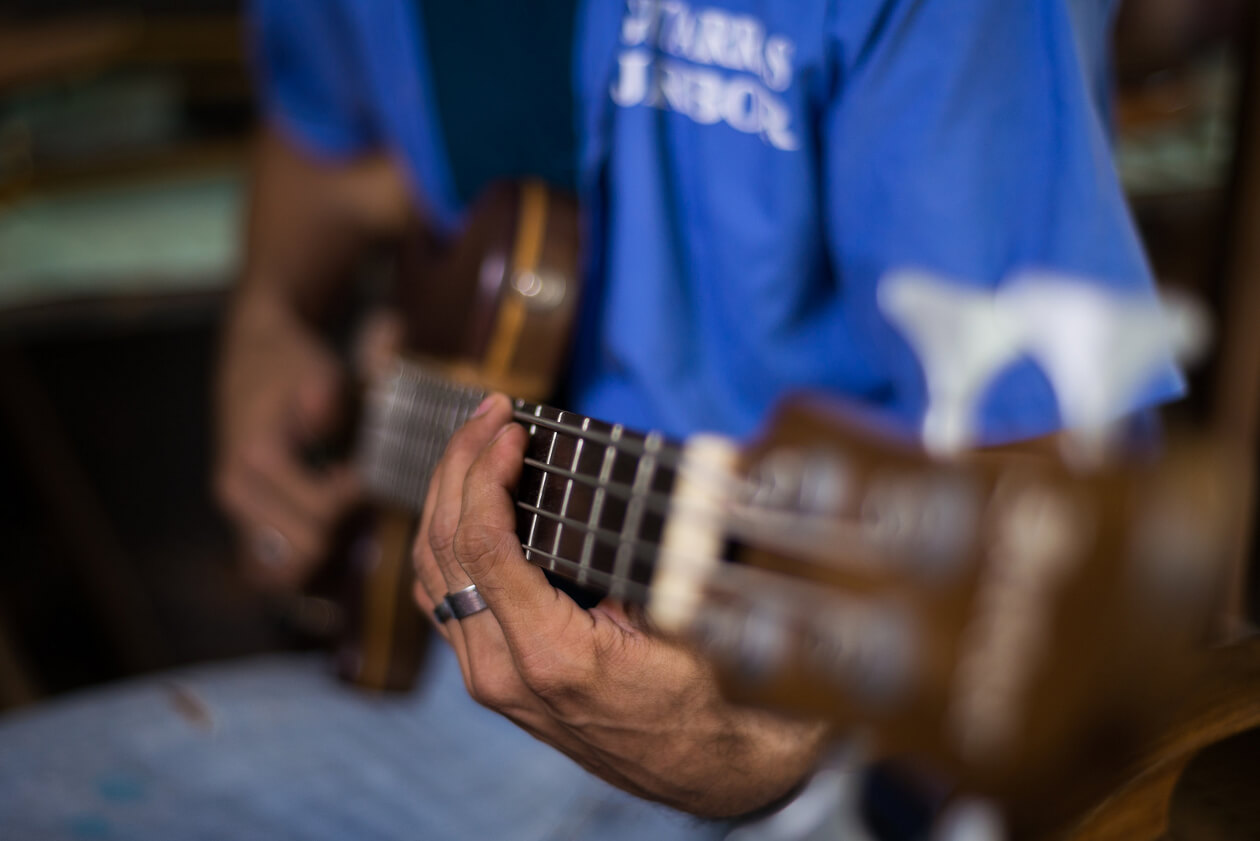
273, 748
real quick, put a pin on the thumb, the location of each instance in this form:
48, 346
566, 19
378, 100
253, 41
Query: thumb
530, 611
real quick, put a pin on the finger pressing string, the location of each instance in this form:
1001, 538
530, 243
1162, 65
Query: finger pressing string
489, 551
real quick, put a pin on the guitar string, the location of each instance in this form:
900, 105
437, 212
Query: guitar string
799, 536
634, 589
666, 454
608, 537
669, 455
418, 407
727, 580
657, 502
671, 451
660, 503
416, 378
737, 522
413, 405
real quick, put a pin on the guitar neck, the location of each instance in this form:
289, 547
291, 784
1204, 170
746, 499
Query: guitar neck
592, 496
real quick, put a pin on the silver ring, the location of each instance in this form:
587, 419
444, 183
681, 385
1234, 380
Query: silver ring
464, 603
271, 548
442, 612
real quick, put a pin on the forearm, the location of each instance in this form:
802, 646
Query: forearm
279, 388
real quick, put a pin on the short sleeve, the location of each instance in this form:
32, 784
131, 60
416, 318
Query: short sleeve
969, 139
311, 79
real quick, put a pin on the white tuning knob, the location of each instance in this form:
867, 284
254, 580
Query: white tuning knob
962, 338
1098, 347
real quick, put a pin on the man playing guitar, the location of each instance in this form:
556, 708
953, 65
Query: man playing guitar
747, 172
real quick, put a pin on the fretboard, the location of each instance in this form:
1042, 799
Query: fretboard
592, 495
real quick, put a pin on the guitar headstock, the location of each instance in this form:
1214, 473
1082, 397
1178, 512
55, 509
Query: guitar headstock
1000, 615
1016, 619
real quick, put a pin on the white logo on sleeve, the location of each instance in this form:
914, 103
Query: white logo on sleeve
709, 64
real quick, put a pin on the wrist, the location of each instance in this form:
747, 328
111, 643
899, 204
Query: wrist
776, 756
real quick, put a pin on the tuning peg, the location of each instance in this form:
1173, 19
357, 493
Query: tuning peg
1098, 347
962, 338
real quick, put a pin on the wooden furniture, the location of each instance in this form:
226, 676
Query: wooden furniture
1224, 704
1236, 397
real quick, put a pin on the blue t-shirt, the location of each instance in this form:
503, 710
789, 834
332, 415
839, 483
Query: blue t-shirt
749, 171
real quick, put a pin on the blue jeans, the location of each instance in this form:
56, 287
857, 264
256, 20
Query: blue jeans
273, 748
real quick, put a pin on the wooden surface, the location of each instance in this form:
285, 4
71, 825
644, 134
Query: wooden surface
1237, 387
32, 53
1224, 703
1218, 796
1111, 638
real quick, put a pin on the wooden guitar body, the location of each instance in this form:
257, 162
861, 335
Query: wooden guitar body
492, 310
496, 307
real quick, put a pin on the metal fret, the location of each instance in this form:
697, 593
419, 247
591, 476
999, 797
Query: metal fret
634, 590
597, 504
568, 492
542, 484
645, 548
605, 517
659, 502
629, 446
643, 474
